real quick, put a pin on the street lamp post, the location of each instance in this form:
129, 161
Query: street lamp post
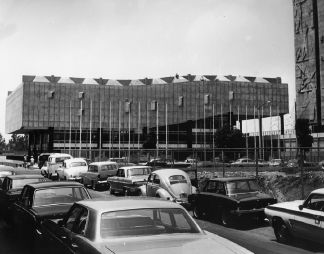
260, 128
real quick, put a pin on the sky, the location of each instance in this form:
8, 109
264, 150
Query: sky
134, 39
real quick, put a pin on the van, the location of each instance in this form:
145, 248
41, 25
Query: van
54, 162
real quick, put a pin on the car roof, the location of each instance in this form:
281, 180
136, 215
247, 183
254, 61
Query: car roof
169, 172
13, 177
99, 163
126, 203
319, 191
75, 160
60, 155
6, 168
128, 167
51, 184
231, 179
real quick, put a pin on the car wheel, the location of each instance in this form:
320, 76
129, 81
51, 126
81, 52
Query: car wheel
228, 219
282, 233
196, 211
50, 176
93, 185
112, 191
82, 182
139, 193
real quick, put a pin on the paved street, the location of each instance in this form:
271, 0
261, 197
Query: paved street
253, 235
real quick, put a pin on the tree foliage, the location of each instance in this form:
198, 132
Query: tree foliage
303, 134
2, 143
150, 141
18, 143
229, 137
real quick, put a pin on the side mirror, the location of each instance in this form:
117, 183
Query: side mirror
300, 207
60, 223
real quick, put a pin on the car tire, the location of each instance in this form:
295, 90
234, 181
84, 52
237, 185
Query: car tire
196, 211
50, 176
82, 182
139, 193
228, 219
112, 191
282, 232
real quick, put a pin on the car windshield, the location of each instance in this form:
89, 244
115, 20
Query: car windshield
139, 171
59, 195
19, 183
177, 179
240, 187
146, 222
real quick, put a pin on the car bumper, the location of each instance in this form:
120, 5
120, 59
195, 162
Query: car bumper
259, 210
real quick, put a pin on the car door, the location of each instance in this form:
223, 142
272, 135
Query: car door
61, 236
22, 217
308, 222
205, 200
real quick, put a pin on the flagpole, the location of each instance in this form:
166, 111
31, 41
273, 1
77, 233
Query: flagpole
70, 139
157, 128
80, 129
110, 130
90, 127
271, 132
100, 131
246, 134
166, 129
119, 105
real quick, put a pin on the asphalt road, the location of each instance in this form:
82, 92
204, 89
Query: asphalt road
255, 236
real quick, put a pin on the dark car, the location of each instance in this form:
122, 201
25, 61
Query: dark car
230, 198
11, 189
39, 201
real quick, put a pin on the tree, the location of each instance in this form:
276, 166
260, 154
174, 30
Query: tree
2, 143
229, 137
18, 143
304, 137
150, 141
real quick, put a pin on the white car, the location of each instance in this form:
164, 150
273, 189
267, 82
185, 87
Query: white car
72, 169
302, 219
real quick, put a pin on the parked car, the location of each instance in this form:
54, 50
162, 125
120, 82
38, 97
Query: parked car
71, 169
132, 225
98, 172
276, 163
39, 201
5, 171
230, 198
300, 219
168, 184
54, 162
128, 179
262, 163
10, 192
244, 162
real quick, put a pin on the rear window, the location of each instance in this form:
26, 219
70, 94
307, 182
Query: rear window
242, 187
58, 159
139, 171
146, 222
177, 179
59, 196
19, 183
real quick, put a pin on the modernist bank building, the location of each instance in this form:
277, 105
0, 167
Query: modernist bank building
79, 114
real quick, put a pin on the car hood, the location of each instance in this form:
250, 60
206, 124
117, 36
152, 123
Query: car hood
175, 244
251, 196
179, 188
292, 205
